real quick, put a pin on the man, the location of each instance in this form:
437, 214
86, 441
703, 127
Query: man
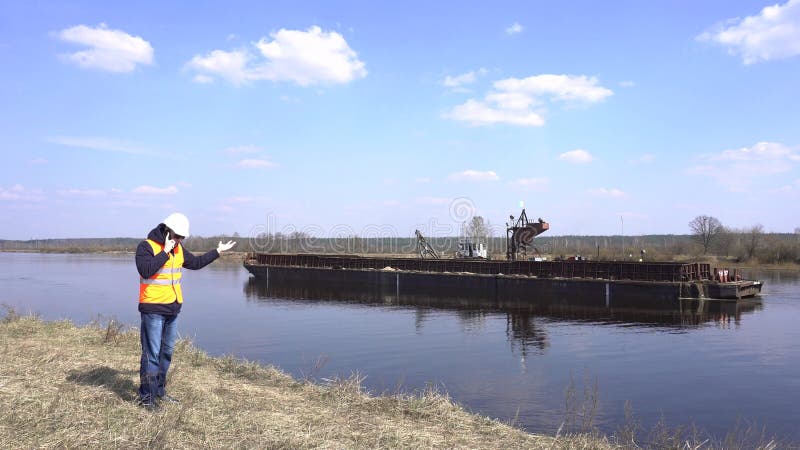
160, 259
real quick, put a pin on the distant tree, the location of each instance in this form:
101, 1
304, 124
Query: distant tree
754, 234
705, 230
478, 229
724, 241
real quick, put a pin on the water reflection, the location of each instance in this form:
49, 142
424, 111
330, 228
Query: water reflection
772, 277
525, 334
526, 318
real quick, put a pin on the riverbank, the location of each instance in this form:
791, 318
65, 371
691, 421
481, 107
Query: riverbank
67, 386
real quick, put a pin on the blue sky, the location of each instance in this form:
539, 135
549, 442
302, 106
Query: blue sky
376, 118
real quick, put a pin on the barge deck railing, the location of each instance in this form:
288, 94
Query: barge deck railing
609, 270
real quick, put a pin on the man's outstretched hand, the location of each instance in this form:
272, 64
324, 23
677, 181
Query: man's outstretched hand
225, 247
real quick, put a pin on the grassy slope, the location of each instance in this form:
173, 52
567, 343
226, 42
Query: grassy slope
68, 386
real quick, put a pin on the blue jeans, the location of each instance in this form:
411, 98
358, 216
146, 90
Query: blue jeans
158, 333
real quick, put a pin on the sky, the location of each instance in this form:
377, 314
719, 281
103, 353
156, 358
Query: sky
377, 118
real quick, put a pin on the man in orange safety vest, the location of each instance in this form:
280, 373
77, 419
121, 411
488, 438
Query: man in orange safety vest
160, 260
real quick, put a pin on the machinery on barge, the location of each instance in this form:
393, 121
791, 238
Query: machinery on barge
520, 234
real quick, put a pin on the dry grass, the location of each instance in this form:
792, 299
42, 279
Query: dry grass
63, 386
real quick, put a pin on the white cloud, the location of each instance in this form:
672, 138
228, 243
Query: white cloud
772, 34
303, 57
514, 29
737, 169
578, 156
474, 175
532, 184
146, 189
110, 50
244, 149
38, 160
255, 164
458, 80
762, 151
309, 57
608, 193
512, 99
479, 113
560, 87
20, 193
422, 180
106, 145
464, 78
228, 65
627, 83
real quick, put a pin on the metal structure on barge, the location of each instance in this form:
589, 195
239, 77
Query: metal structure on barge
520, 234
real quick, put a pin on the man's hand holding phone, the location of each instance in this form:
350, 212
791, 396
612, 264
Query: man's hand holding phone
169, 244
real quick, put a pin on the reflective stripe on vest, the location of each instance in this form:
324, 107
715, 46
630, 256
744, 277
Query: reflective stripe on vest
164, 286
163, 281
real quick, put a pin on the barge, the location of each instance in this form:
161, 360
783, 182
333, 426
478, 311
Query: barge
518, 278
617, 283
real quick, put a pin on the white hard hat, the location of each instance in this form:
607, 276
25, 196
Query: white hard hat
178, 223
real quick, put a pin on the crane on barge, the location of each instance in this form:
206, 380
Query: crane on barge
520, 234
423, 248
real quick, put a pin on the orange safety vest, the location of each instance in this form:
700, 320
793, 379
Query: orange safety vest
164, 286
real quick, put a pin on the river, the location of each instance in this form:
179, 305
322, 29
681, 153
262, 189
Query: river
515, 364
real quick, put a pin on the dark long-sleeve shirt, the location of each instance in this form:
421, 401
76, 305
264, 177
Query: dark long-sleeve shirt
148, 264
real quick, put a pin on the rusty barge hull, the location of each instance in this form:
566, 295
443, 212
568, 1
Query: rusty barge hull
628, 284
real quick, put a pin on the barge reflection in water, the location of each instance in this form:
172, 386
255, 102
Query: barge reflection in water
520, 310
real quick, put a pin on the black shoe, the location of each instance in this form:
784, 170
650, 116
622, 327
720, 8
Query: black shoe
168, 399
148, 404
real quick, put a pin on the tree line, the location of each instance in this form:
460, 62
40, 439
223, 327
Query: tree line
708, 238
746, 243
